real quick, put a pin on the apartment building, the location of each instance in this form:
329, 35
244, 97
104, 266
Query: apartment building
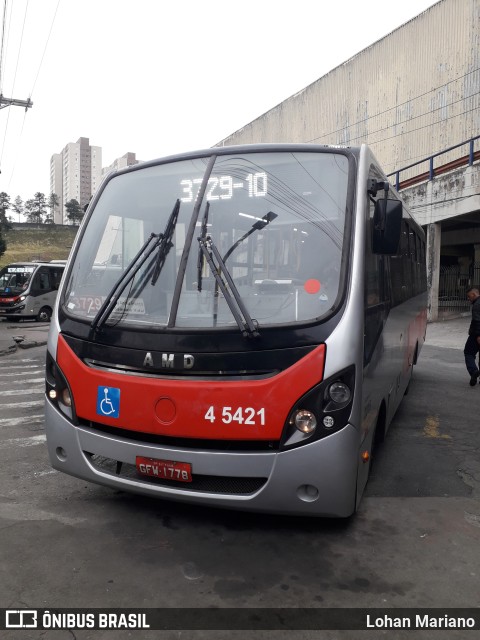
120, 163
75, 174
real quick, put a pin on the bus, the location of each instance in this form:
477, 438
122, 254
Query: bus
236, 328
28, 289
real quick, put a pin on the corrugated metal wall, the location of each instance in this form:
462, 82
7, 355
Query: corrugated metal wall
411, 94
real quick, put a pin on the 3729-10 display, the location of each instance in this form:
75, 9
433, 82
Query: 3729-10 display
223, 187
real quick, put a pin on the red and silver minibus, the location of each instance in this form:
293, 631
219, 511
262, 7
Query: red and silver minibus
236, 327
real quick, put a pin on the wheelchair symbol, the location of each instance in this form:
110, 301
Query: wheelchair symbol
108, 402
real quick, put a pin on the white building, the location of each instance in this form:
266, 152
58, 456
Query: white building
414, 97
412, 93
56, 185
75, 174
120, 163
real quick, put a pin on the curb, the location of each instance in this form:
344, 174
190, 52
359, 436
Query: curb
8, 350
27, 344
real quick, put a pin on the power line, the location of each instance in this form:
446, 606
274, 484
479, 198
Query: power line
397, 106
4, 102
421, 115
440, 202
3, 42
45, 49
427, 126
14, 80
20, 45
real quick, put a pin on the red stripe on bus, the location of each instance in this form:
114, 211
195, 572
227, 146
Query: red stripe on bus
223, 410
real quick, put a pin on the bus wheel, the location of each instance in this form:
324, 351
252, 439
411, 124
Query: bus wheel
44, 314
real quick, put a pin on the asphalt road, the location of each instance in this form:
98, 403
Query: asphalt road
413, 543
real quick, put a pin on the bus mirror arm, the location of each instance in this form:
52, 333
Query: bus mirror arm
374, 186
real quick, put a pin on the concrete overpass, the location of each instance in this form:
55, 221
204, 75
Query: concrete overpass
443, 192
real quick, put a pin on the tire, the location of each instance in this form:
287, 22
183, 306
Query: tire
44, 314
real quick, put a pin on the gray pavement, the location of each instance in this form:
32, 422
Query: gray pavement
23, 335
450, 334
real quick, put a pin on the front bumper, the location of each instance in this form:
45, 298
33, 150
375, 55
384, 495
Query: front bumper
317, 479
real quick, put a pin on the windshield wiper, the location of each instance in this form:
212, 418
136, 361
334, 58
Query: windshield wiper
260, 224
203, 235
163, 243
246, 324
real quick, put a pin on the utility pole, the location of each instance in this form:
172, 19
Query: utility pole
8, 102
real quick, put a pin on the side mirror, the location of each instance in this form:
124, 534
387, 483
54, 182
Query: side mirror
387, 225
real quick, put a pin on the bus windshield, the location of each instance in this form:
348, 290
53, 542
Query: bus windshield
256, 237
14, 279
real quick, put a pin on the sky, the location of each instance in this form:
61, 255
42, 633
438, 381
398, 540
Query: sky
157, 77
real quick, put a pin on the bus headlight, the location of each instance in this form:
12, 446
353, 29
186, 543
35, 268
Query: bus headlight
321, 411
305, 421
65, 397
339, 392
328, 422
58, 390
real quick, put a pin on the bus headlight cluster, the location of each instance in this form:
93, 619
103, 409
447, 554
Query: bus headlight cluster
65, 397
328, 422
339, 393
305, 421
321, 412
58, 390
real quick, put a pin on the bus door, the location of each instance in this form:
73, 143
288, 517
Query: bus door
43, 291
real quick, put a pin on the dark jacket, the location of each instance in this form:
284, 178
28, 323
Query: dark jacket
474, 329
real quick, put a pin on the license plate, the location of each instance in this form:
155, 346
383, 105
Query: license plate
164, 469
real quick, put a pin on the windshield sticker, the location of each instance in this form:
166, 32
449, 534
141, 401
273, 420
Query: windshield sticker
312, 286
91, 305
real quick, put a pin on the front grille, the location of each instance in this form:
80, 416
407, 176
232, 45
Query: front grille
204, 483
183, 443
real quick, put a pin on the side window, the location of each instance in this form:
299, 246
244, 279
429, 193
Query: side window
374, 264
405, 250
41, 282
376, 293
56, 276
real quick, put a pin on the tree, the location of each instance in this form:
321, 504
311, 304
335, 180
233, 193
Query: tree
74, 211
18, 207
4, 207
52, 204
36, 208
3, 245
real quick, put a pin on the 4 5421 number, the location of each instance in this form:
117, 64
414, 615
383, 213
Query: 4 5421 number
240, 415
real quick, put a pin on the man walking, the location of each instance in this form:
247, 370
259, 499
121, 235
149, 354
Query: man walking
472, 345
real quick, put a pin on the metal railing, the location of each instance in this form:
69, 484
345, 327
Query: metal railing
453, 286
464, 160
